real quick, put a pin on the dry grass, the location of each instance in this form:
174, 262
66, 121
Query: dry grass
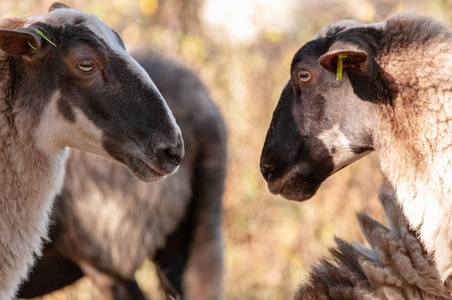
270, 242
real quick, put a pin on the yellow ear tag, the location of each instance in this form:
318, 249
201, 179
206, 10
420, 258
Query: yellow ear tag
339, 66
32, 47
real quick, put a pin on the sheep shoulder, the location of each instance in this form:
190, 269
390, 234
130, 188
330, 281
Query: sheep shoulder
414, 135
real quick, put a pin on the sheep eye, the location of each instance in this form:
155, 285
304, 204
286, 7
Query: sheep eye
304, 76
86, 65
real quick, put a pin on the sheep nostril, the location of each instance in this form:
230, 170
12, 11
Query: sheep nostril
173, 155
267, 171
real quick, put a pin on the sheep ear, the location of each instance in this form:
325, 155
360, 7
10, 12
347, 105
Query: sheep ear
58, 5
352, 58
23, 41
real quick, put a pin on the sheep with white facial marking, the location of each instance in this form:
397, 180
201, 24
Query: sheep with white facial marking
106, 224
395, 97
68, 82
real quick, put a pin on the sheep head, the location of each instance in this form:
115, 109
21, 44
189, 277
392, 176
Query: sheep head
322, 124
81, 89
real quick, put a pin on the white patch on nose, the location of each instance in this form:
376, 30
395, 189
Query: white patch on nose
339, 148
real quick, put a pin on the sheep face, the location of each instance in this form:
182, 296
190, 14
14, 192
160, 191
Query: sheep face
89, 93
320, 124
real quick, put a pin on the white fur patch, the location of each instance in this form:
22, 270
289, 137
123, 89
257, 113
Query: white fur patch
339, 147
87, 135
55, 131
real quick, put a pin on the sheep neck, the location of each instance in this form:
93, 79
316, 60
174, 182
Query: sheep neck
29, 180
415, 151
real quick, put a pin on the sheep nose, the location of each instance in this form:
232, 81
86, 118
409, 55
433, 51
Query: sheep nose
267, 171
173, 154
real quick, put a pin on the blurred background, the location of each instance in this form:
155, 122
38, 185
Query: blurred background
242, 50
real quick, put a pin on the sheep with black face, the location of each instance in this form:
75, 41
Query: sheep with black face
395, 97
67, 81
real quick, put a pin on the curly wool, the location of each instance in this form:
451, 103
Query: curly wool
396, 266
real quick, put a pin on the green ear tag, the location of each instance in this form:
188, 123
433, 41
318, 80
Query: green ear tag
339, 66
44, 37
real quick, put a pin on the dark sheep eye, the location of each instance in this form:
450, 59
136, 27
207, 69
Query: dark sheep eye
304, 76
86, 65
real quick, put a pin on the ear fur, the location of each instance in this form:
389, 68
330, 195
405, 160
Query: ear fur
356, 60
17, 42
58, 5
11, 22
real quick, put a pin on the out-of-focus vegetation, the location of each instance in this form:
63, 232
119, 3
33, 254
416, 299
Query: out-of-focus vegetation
242, 51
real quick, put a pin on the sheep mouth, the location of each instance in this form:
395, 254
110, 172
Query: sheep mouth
277, 185
146, 170
143, 163
294, 185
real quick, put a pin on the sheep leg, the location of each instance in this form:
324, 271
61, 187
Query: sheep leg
203, 276
111, 286
171, 260
127, 289
192, 259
